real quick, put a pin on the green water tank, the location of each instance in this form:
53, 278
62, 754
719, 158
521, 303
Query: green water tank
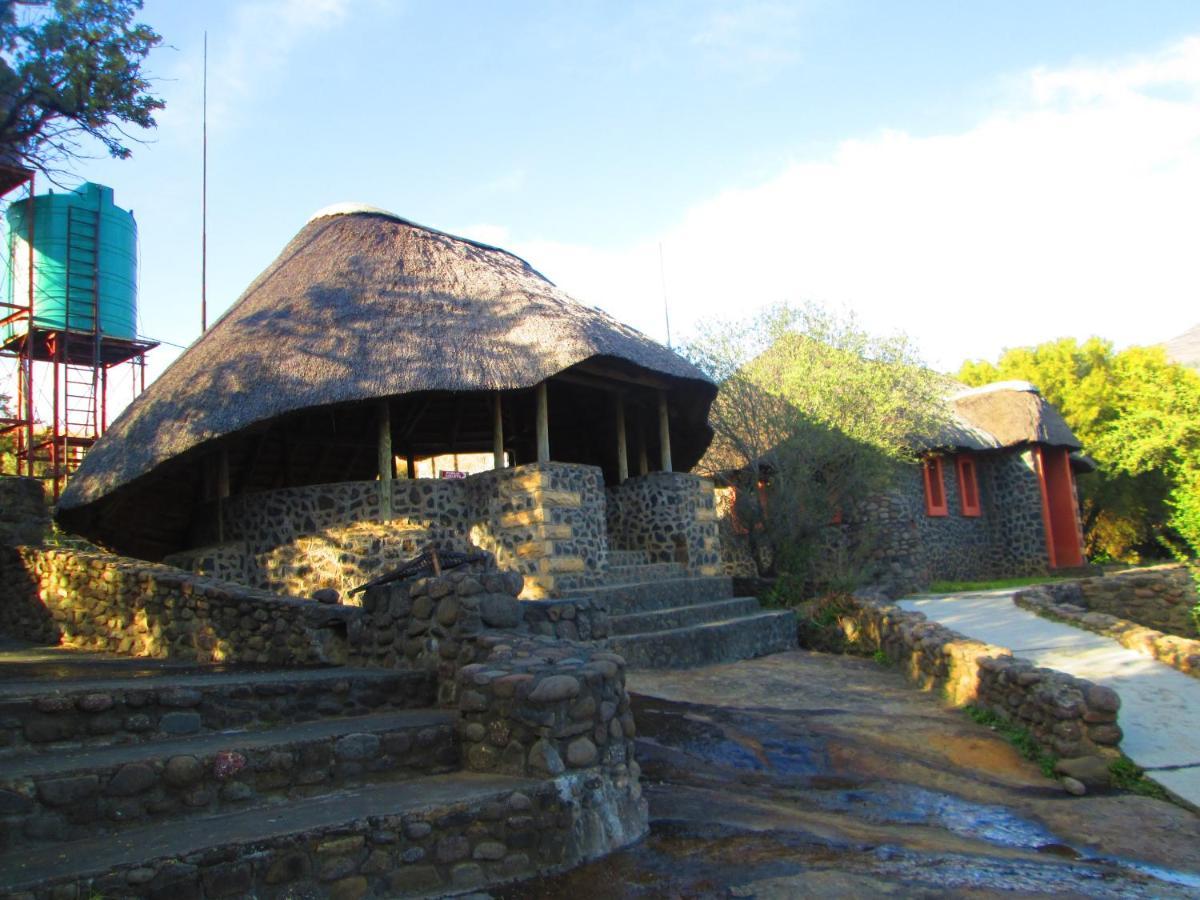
84, 262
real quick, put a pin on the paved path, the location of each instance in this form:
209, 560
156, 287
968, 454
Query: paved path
1160, 707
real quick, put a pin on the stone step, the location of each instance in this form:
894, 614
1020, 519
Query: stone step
682, 616
628, 558
646, 572
712, 642
51, 716
423, 837
93, 791
664, 593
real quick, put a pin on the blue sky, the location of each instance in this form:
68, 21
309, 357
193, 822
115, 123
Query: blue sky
979, 175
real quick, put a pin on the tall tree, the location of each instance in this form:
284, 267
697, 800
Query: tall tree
812, 417
71, 70
1138, 415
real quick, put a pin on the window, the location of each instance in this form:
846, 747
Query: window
935, 488
968, 486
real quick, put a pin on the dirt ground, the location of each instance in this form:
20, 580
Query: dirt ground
806, 774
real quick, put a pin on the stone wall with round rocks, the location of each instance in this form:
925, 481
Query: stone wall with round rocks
434, 623
573, 619
539, 707
908, 548
443, 848
96, 601
1067, 716
670, 516
1158, 597
24, 515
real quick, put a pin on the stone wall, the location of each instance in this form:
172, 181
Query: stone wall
670, 516
546, 520
24, 515
910, 548
540, 707
1068, 716
443, 848
1159, 597
433, 623
1061, 602
95, 601
574, 619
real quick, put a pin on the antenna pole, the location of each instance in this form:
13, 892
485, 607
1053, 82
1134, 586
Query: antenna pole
204, 197
662, 276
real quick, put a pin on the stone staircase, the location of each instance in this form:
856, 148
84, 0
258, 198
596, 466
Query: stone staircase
663, 618
199, 783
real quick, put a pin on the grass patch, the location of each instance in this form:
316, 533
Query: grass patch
882, 658
1017, 736
954, 587
1126, 776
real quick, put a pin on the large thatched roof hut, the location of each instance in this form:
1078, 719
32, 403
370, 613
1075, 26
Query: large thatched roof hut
367, 318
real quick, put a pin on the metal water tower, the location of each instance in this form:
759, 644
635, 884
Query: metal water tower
68, 297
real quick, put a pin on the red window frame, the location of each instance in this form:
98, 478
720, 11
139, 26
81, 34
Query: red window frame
968, 485
935, 488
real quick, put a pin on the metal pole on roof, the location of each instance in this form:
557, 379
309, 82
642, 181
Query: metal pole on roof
204, 196
662, 276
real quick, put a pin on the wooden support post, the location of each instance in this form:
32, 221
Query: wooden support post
411, 465
643, 459
497, 433
222, 491
664, 431
543, 424
622, 447
385, 460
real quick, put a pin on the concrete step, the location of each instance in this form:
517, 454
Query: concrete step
647, 572
424, 837
682, 616
712, 642
90, 791
53, 716
664, 593
628, 557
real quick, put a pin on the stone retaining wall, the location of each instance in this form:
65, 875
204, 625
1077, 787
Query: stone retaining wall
439, 849
546, 520
670, 516
574, 619
95, 601
1158, 597
433, 623
537, 706
1068, 716
24, 515
1178, 652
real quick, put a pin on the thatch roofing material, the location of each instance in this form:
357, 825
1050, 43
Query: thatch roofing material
1013, 413
363, 304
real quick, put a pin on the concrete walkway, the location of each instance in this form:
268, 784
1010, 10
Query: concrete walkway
1160, 707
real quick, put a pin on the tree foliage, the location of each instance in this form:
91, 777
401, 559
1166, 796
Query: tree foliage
1138, 415
72, 71
813, 415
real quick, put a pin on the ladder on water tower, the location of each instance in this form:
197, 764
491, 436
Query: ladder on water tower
80, 414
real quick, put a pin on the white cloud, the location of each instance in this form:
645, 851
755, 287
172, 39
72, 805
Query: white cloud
1070, 212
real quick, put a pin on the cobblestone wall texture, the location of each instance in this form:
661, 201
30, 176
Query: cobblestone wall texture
670, 516
1159, 597
1069, 716
443, 849
24, 515
95, 601
912, 548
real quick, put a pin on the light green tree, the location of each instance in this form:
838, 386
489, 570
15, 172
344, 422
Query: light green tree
813, 415
1138, 415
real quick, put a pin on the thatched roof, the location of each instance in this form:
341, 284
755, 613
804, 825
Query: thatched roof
1012, 413
363, 304
1185, 349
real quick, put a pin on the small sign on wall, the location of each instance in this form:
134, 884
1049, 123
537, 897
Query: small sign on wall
451, 473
